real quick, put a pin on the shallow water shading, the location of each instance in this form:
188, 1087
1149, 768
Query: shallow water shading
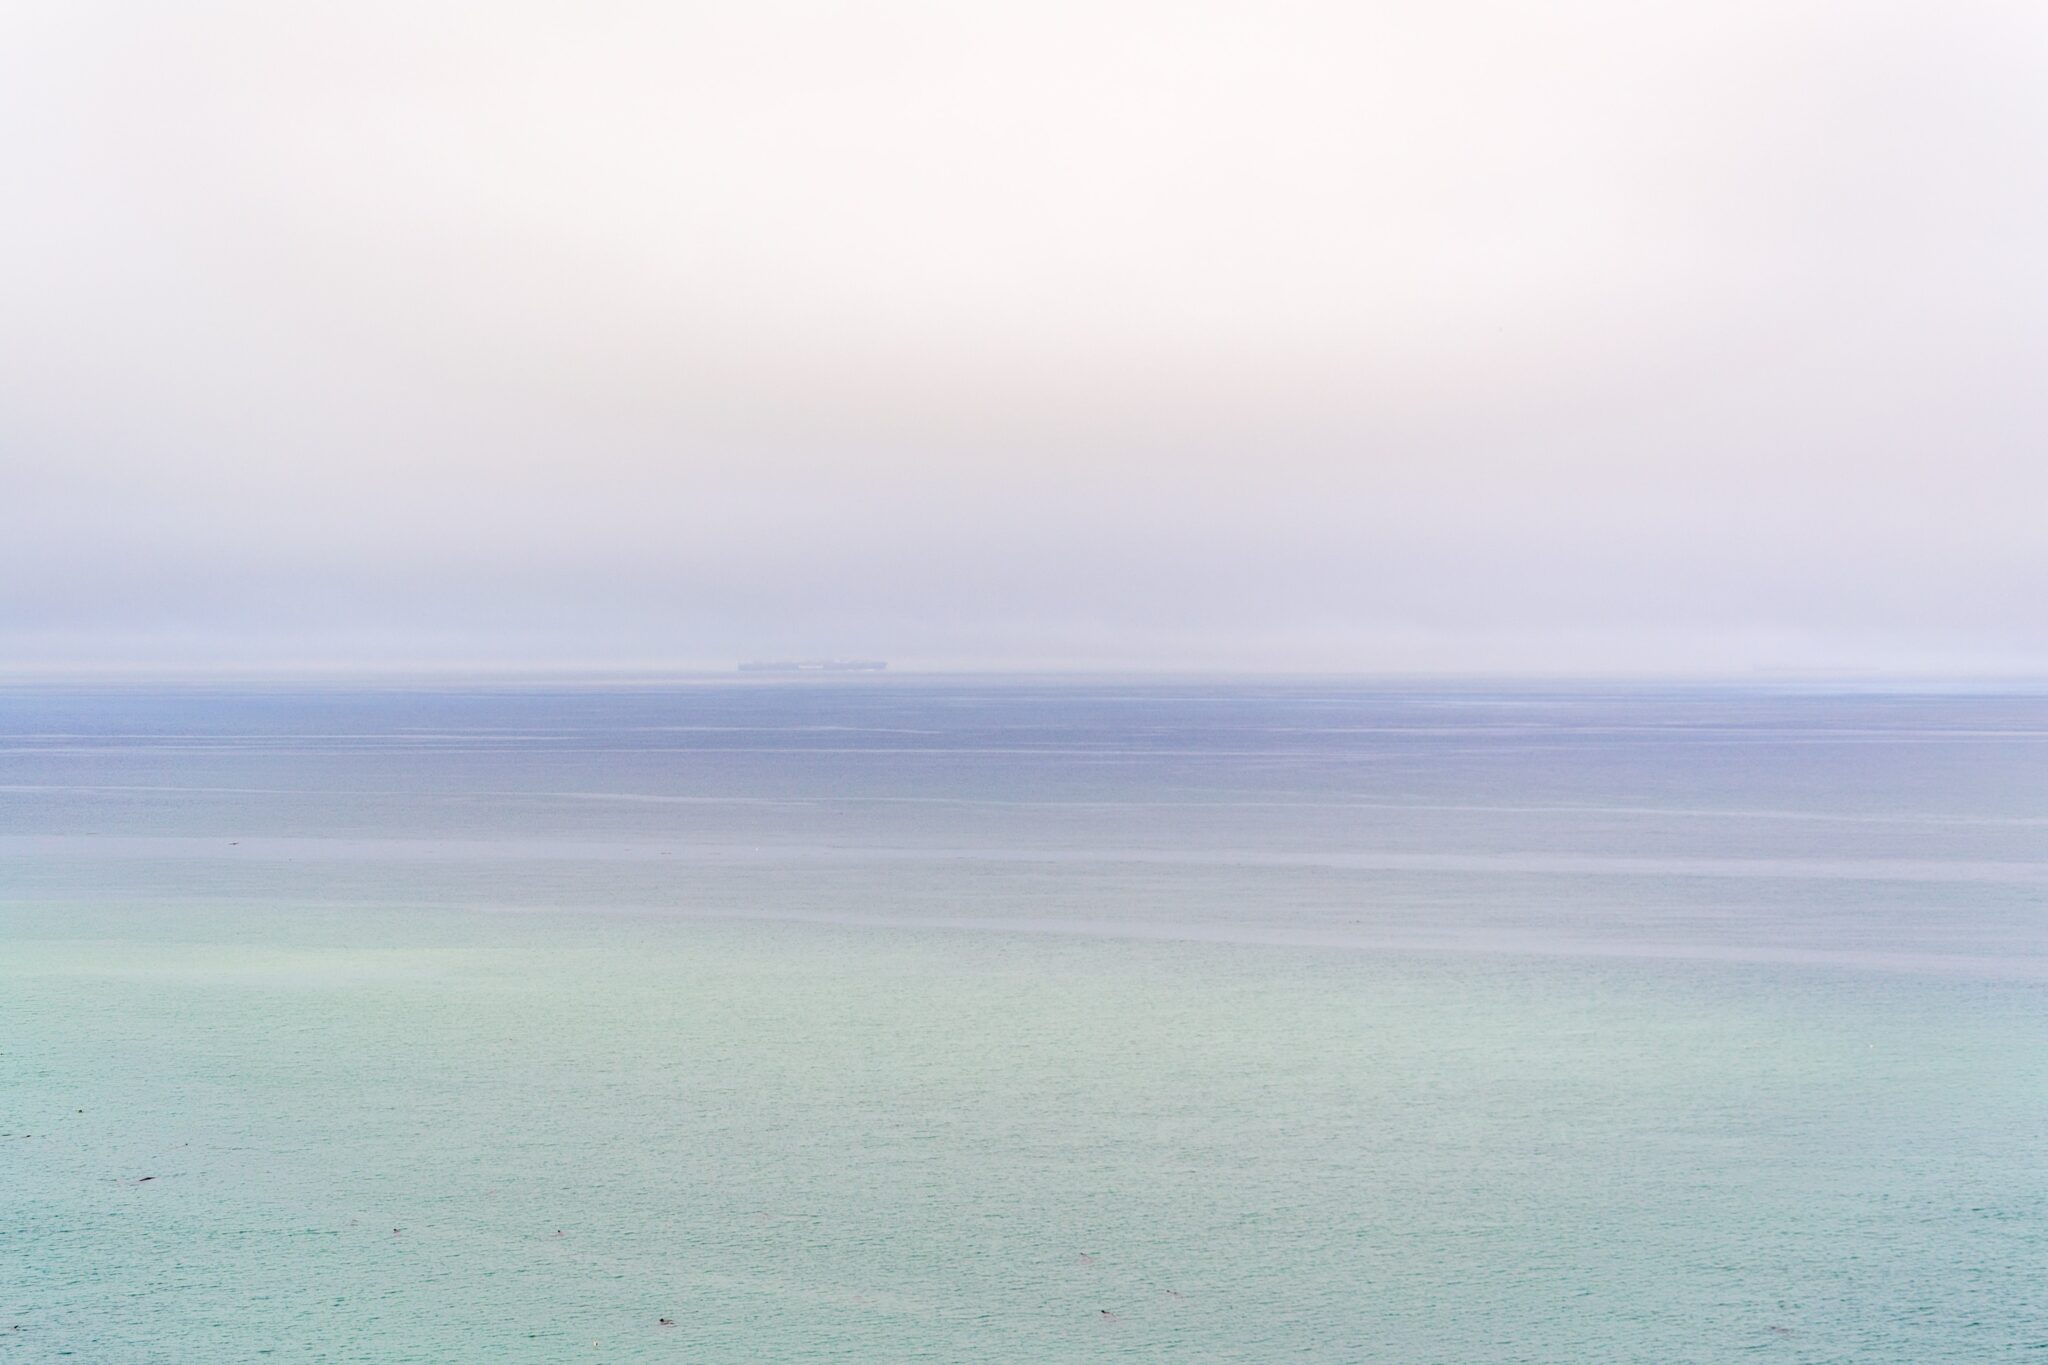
816, 1082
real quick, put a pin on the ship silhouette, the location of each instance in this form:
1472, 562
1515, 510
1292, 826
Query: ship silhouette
813, 665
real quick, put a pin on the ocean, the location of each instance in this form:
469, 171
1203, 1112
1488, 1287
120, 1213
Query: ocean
1012, 1019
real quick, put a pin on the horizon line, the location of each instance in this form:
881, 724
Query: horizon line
654, 672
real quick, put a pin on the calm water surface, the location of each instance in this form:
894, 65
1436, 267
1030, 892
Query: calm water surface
926, 1019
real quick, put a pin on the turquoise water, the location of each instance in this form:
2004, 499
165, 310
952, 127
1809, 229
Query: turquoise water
925, 1019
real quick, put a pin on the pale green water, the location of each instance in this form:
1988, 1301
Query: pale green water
869, 1079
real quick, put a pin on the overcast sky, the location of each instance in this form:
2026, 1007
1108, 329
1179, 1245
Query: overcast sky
1272, 334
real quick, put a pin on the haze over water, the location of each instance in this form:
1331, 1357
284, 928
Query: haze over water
925, 1018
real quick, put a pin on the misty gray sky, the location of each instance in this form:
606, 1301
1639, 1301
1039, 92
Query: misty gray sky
1297, 333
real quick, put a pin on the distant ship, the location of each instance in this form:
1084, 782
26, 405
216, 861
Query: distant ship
813, 666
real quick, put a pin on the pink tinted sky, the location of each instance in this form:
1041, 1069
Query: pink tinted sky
1297, 334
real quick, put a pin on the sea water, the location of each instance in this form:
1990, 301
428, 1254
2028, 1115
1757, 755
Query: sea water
1013, 1020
